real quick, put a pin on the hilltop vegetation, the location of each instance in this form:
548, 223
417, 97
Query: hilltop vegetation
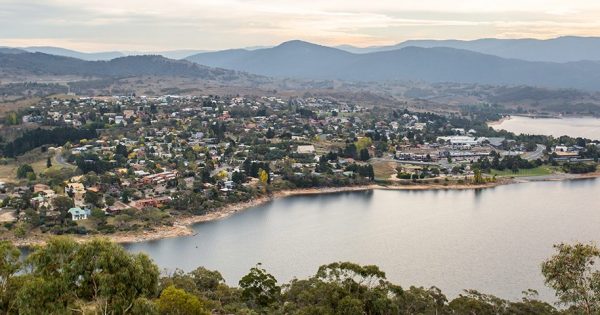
38, 137
44, 64
100, 277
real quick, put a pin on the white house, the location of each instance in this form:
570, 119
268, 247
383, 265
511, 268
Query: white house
79, 214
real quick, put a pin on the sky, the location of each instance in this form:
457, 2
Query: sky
156, 25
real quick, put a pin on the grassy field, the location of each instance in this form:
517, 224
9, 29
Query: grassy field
384, 169
538, 171
35, 158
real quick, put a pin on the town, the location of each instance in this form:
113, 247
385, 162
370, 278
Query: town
127, 163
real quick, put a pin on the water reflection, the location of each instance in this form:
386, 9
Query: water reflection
491, 240
477, 192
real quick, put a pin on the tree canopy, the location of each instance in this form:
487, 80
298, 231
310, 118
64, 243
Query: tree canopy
100, 277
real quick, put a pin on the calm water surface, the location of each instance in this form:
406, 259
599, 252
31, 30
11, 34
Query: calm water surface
491, 240
575, 127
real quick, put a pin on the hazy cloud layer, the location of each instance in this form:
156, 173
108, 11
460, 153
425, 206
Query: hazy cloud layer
216, 24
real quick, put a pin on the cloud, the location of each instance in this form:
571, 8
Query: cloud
209, 24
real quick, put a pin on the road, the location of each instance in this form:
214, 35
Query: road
537, 154
403, 161
60, 159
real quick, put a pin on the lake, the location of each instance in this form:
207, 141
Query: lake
575, 127
492, 240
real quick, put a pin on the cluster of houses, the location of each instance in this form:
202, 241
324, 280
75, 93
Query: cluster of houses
158, 146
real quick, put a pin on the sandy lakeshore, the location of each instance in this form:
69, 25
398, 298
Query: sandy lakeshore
498, 122
182, 225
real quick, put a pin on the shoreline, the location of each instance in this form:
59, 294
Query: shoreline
183, 225
494, 123
498, 122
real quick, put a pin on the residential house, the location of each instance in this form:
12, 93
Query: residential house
79, 214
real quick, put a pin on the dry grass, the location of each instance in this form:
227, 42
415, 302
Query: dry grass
326, 146
6, 107
35, 158
384, 169
7, 216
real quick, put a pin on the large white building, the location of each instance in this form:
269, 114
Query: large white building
459, 140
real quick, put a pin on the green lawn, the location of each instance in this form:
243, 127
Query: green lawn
538, 171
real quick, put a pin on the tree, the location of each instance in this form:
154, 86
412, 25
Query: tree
514, 168
572, 274
38, 293
350, 151
346, 288
259, 288
478, 177
20, 229
93, 198
371, 172
106, 272
364, 155
12, 118
47, 287
144, 306
10, 264
474, 302
222, 175
62, 204
38, 137
206, 280
98, 272
24, 170
125, 196
270, 133
100, 277
263, 176
121, 150
48, 162
175, 301
109, 200
363, 143
238, 177
98, 214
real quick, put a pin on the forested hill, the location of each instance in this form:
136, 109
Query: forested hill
44, 64
560, 49
38, 137
305, 60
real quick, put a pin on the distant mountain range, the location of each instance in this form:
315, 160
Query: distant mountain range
291, 59
45, 64
107, 55
300, 59
303, 60
99, 56
561, 49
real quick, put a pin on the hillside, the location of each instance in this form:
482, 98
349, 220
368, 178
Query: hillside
107, 55
561, 49
44, 64
304, 60
9, 50
291, 59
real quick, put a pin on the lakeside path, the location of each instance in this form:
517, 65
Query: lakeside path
183, 225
